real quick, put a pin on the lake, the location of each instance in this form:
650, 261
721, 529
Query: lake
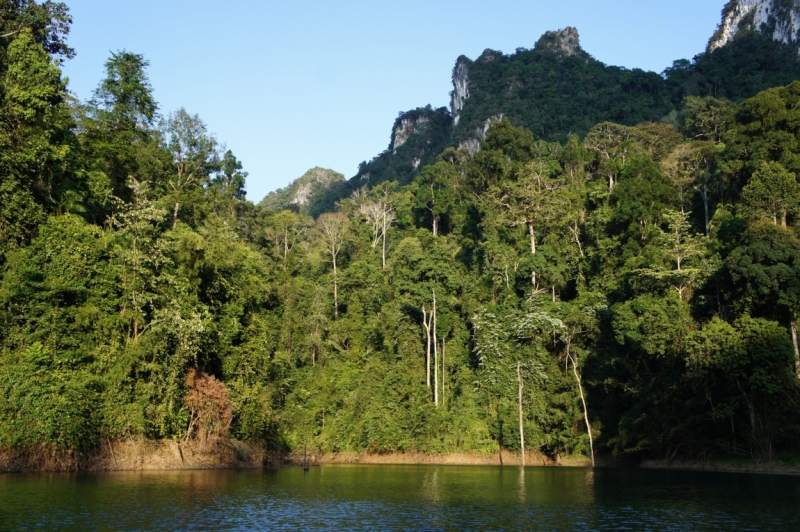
401, 498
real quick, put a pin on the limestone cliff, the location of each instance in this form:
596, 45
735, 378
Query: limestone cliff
779, 19
417, 137
460, 88
566, 42
407, 126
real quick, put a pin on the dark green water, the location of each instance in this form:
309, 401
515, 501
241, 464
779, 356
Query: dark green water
402, 498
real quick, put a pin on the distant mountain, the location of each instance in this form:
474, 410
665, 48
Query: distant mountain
557, 89
304, 191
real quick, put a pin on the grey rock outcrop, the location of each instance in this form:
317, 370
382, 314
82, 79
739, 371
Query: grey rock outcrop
779, 19
566, 42
460, 91
407, 127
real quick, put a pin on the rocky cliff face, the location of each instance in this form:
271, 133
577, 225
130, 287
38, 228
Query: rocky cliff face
406, 127
779, 19
473, 144
486, 70
417, 137
460, 88
566, 42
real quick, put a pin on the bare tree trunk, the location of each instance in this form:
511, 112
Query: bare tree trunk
435, 226
705, 205
335, 289
175, 214
384, 239
576, 233
435, 357
532, 233
427, 324
521, 431
444, 367
796, 345
333, 226
583, 400
314, 348
751, 410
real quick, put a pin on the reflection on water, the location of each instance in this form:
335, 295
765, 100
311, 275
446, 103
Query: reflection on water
401, 498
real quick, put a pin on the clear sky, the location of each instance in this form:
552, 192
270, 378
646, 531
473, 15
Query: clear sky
295, 84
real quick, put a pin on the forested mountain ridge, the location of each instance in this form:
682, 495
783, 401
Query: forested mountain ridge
303, 192
633, 292
556, 89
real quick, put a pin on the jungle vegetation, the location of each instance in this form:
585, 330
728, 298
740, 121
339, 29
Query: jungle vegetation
632, 291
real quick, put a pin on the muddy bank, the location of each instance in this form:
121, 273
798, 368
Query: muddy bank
139, 455
536, 459
416, 458
166, 455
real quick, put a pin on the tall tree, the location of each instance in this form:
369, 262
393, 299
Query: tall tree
333, 228
766, 128
532, 198
48, 23
766, 270
286, 228
434, 191
117, 131
614, 145
34, 136
379, 211
195, 154
231, 177
772, 193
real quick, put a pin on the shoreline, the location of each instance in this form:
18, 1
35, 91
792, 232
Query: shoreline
724, 466
137, 455
172, 455
504, 458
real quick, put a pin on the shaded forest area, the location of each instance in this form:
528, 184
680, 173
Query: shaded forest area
631, 292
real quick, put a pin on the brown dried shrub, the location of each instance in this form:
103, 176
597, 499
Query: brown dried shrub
209, 407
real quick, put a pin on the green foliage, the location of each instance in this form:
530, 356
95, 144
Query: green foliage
554, 96
752, 62
616, 279
765, 269
772, 193
765, 129
35, 136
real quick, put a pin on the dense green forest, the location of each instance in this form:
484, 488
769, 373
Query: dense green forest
630, 292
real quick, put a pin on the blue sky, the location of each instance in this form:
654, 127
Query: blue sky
296, 84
